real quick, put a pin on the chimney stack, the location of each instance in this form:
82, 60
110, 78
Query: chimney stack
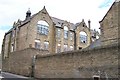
89, 22
28, 14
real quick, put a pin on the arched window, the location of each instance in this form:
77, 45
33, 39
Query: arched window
42, 27
65, 32
83, 37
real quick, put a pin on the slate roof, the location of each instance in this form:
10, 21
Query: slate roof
59, 23
96, 43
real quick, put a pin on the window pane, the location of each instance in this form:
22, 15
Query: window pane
83, 37
65, 32
37, 44
42, 27
59, 48
46, 45
58, 31
65, 47
71, 47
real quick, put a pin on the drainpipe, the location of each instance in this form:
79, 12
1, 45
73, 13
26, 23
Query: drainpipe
33, 66
75, 46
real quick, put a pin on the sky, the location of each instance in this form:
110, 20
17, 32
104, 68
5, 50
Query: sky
71, 10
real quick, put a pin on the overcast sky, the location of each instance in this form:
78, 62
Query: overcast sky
71, 10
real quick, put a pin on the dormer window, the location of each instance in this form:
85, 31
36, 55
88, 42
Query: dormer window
42, 27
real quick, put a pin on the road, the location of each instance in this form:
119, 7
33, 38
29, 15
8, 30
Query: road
9, 76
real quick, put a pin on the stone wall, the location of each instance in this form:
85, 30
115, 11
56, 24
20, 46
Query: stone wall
20, 62
101, 61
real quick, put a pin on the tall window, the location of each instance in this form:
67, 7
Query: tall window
65, 47
71, 36
65, 32
71, 47
58, 32
59, 48
37, 44
42, 27
83, 37
46, 45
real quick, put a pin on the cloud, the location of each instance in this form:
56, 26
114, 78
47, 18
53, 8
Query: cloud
106, 3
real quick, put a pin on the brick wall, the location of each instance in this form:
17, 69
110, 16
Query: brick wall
101, 61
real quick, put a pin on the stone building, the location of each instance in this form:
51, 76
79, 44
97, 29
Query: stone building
110, 25
44, 32
100, 60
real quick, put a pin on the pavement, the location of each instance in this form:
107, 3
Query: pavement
10, 76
